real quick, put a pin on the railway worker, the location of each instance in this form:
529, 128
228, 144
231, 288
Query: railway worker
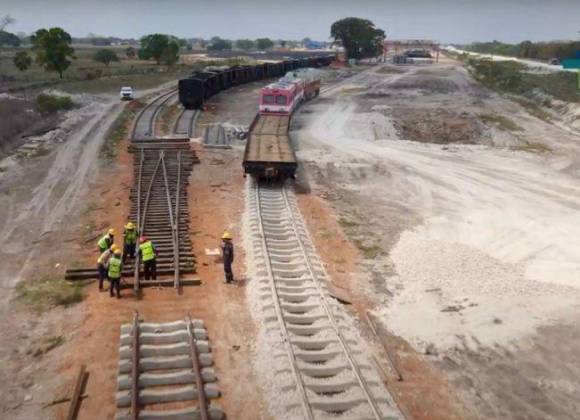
106, 241
102, 263
129, 241
149, 257
114, 271
228, 256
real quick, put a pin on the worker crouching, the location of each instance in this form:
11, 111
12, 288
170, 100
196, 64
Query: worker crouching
115, 269
106, 241
129, 241
148, 256
102, 264
228, 256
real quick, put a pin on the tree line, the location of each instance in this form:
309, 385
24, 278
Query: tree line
528, 49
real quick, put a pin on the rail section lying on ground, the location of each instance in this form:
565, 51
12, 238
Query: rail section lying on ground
164, 364
330, 373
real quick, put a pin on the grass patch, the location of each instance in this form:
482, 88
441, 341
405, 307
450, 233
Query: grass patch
49, 291
347, 223
500, 122
515, 78
51, 104
49, 344
532, 148
118, 131
389, 70
369, 251
533, 108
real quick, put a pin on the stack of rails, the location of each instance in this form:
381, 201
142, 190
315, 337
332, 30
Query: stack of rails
269, 153
159, 206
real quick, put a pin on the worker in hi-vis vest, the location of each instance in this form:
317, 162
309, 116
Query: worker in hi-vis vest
115, 268
129, 241
106, 241
102, 263
148, 256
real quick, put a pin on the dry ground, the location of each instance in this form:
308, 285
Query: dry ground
462, 207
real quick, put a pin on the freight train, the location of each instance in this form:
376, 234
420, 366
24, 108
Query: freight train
196, 89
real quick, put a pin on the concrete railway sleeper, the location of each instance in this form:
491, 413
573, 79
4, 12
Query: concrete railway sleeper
331, 376
162, 366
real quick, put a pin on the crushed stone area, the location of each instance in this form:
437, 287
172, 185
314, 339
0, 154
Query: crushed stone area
465, 244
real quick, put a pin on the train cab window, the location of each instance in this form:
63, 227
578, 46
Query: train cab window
280, 100
268, 99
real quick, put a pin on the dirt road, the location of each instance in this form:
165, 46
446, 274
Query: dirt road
467, 231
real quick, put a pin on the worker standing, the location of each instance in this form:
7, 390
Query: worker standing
129, 241
106, 241
115, 269
148, 256
228, 256
102, 263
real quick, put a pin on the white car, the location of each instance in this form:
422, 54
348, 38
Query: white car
126, 93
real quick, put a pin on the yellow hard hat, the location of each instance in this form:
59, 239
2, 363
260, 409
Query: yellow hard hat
111, 231
130, 226
227, 235
117, 251
114, 247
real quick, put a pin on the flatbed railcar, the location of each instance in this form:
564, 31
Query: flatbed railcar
269, 152
195, 90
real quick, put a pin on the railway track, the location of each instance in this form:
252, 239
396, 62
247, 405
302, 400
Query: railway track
145, 121
330, 376
163, 367
159, 206
186, 122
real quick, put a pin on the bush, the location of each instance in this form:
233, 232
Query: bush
512, 77
50, 104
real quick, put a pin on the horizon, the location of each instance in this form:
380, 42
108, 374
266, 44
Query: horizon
447, 21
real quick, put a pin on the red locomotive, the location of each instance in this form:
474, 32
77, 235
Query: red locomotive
287, 93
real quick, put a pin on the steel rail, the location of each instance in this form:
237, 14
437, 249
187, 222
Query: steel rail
139, 226
356, 370
135, 369
203, 406
170, 211
153, 120
176, 226
163, 97
177, 121
141, 222
308, 413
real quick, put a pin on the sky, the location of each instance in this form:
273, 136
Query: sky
447, 21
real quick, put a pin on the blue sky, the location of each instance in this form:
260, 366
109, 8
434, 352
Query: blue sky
444, 20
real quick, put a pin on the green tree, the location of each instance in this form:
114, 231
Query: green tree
170, 54
53, 49
9, 39
22, 60
130, 52
153, 46
219, 44
359, 37
264, 43
105, 56
245, 44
